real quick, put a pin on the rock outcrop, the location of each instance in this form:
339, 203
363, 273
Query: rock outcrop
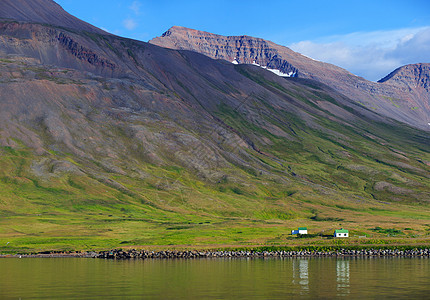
237, 49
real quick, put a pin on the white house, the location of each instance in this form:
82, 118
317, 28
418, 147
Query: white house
341, 233
301, 230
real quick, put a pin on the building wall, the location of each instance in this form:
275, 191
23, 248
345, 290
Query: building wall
299, 231
341, 235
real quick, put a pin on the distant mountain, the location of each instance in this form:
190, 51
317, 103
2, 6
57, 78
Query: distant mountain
406, 103
247, 50
107, 141
414, 77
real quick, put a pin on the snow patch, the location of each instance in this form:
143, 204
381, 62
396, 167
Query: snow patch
279, 73
276, 71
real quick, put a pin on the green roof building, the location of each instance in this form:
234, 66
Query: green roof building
341, 233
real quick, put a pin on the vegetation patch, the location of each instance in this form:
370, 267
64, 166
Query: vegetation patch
388, 231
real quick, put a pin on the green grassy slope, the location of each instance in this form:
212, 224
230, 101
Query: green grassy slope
215, 154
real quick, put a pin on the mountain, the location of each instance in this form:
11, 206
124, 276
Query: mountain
108, 142
405, 103
415, 77
43, 12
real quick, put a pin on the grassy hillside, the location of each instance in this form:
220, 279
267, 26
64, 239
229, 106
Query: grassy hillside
191, 151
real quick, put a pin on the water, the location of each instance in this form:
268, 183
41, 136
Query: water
298, 278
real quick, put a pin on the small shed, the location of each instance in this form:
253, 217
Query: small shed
341, 233
300, 230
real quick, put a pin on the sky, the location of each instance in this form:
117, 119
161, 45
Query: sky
369, 38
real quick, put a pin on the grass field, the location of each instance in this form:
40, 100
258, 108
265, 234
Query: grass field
323, 187
76, 219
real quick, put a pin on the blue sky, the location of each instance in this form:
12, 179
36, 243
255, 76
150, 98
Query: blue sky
368, 38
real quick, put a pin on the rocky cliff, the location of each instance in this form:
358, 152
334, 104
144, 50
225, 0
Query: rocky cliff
406, 103
236, 49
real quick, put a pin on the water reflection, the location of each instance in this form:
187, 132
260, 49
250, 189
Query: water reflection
301, 274
342, 277
291, 278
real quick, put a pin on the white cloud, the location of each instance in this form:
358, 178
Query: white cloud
415, 48
135, 7
371, 55
130, 24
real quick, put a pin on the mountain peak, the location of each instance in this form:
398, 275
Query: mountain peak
412, 76
189, 31
179, 30
236, 49
44, 12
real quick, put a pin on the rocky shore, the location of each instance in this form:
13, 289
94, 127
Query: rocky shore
194, 254
144, 254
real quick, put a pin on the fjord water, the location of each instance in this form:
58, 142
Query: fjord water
63, 278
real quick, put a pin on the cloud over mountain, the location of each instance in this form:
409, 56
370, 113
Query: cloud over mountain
371, 54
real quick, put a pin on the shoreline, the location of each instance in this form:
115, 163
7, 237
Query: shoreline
135, 254
122, 254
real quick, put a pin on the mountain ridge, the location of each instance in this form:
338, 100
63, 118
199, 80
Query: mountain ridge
385, 97
43, 12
